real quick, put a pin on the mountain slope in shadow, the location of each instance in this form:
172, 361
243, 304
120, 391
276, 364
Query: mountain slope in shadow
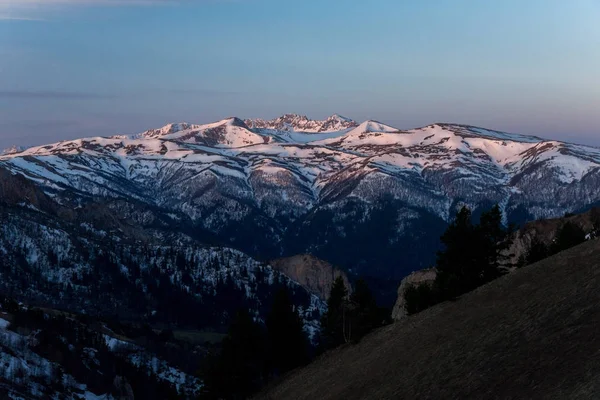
531, 334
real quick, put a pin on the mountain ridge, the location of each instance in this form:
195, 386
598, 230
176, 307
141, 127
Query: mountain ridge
296, 122
385, 194
301, 123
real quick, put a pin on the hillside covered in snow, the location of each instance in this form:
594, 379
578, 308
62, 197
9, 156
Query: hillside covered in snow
176, 228
294, 185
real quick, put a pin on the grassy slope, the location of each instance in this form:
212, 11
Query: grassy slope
532, 334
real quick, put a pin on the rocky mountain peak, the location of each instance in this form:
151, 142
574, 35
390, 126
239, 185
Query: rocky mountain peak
13, 150
301, 123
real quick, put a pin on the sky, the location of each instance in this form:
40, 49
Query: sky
80, 68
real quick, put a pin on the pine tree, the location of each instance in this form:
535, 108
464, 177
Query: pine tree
495, 241
332, 322
473, 254
537, 251
287, 340
366, 315
569, 235
457, 265
418, 298
241, 369
595, 219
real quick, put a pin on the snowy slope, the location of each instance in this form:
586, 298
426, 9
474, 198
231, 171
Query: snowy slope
29, 371
302, 164
231, 132
293, 185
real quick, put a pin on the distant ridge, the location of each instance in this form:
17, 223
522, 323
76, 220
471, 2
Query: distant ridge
294, 185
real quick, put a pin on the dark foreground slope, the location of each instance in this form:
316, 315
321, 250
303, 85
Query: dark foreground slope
532, 334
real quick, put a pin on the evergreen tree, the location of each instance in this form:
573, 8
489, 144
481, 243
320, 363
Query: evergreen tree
473, 254
418, 298
521, 261
595, 219
366, 315
569, 235
287, 340
241, 369
537, 251
458, 265
332, 322
495, 241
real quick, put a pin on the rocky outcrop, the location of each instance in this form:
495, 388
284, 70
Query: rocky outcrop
414, 279
16, 189
314, 274
545, 230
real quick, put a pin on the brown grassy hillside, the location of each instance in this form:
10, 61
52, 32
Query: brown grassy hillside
531, 334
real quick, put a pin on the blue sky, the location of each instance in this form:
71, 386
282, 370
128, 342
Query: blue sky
75, 68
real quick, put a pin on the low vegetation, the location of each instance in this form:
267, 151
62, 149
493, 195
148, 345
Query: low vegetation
567, 236
475, 254
63, 354
253, 355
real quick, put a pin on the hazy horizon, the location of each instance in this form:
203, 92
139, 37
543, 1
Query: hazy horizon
80, 68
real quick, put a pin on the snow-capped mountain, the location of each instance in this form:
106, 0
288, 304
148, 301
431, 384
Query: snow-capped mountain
368, 197
301, 123
13, 150
230, 132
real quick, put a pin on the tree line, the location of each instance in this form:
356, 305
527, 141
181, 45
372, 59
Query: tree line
568, 235
77, 349
254, 354
477, 253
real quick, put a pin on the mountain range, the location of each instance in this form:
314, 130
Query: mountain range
367, 197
